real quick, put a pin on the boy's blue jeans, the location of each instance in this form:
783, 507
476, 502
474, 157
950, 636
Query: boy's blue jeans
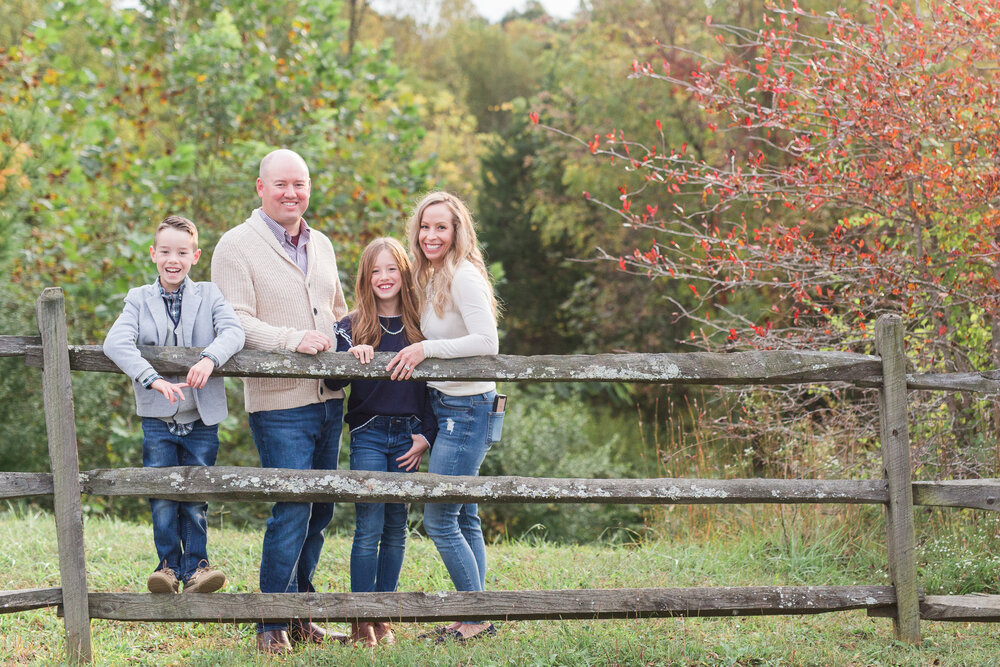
180, 529
380, 528
467, 428
303, 438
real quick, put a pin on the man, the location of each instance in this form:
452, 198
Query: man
280, 276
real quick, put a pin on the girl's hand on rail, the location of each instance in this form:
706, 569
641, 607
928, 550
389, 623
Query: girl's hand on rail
411, 459
405, 361
363, 353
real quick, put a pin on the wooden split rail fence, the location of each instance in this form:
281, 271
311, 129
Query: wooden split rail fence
902, 601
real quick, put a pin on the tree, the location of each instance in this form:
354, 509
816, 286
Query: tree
115, 118
852, 169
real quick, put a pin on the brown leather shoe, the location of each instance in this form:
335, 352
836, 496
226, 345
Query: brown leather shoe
384, 633
307, 631
274, 642
363, 634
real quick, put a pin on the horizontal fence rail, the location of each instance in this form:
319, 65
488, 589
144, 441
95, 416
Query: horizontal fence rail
16, 346
271, 484
763, 367
276, 484
970, 608
25, 484
29, 598
507, 605
878, 600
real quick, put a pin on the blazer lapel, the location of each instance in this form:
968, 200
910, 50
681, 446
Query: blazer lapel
158, 312
190, 303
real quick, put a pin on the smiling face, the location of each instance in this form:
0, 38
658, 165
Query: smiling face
386, 282
174, 252
283, 188
437, 233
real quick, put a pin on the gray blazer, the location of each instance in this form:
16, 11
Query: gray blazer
207, 320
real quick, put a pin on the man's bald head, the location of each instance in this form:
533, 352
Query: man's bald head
281, 156
283, 187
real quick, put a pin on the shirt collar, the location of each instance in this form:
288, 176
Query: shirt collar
170, 295
281, 233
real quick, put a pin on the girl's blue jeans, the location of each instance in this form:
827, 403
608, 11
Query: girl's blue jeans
467, 428
180, 529
380, 528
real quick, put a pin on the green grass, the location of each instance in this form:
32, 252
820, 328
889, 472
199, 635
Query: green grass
759, 548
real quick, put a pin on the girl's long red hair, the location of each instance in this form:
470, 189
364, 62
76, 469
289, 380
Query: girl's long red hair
365, 327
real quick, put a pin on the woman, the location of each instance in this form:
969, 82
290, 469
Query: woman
458, 319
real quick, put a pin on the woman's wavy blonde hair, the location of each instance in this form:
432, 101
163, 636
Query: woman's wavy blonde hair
365, 327
463, 246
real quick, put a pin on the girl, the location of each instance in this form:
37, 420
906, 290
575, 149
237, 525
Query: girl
391, 423
458, 319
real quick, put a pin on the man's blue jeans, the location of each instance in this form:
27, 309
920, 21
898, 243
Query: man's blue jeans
380, 528
180, 529
303, 438
466, 430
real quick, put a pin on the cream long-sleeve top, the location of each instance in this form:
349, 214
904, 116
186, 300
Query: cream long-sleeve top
467, 328
277, 303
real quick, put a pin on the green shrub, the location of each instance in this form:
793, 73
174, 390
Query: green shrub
546, 435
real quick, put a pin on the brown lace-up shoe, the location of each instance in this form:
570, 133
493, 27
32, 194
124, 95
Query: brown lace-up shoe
205, 580
162, 581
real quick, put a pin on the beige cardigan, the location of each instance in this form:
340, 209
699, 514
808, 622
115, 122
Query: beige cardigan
277, 304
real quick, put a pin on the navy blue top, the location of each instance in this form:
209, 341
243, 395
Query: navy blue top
386, 398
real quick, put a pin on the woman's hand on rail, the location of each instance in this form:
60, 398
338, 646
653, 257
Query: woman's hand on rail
405, 361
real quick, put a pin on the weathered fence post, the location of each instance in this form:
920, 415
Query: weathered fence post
893, 423
60, 424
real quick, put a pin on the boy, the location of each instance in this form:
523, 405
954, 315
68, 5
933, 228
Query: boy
178, 430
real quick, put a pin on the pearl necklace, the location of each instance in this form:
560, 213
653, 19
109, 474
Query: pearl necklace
391, 333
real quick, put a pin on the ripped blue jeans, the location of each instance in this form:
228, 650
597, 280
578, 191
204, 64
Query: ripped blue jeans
467, 428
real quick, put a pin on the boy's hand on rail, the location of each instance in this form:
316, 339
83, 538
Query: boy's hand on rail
411, 459
171, 391
405, 361
199, 373
363, 353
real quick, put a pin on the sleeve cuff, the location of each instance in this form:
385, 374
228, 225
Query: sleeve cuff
209, 355
150, 379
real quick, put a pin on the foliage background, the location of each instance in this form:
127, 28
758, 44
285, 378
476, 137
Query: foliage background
112, 118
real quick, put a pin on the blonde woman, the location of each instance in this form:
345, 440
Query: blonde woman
458, 319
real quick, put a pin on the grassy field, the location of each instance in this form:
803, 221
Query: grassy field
765, 548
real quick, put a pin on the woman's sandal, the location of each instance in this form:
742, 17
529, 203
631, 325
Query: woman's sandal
456, 636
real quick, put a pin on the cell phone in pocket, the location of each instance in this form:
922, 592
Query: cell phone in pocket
500, 403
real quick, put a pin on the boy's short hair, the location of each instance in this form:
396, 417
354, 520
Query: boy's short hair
177, 222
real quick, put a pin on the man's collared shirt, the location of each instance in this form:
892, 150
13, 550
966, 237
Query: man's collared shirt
296, 253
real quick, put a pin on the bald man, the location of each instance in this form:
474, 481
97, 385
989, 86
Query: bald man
280, 275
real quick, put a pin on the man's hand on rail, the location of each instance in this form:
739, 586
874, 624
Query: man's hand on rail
314, 342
